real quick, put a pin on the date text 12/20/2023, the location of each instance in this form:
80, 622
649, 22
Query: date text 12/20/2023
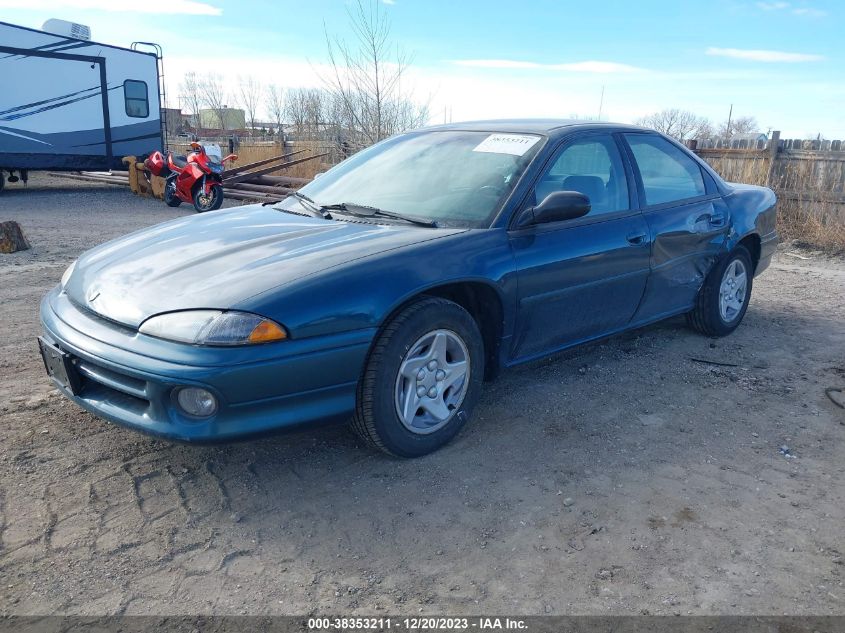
416, 624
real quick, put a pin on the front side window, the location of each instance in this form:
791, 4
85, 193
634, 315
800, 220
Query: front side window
668, 174
592, 166
454, 177
137, 101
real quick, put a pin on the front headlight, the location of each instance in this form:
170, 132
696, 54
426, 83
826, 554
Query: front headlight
213, 327
67, 274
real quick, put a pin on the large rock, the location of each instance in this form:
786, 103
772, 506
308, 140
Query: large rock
12, 238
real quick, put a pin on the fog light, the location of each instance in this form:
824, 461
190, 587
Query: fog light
197, 402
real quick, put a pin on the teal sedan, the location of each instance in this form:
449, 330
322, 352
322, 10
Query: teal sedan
388, 289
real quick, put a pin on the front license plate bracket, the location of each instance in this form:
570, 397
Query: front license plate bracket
59, 366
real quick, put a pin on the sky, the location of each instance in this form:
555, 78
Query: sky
782, 62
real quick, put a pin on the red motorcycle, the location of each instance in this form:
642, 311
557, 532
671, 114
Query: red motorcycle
196, 178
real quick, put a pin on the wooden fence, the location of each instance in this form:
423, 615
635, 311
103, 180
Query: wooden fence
808, 177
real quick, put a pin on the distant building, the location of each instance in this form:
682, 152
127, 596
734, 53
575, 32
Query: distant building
233, 119
175, 120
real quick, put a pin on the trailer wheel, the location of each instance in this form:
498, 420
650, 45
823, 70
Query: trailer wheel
170, 197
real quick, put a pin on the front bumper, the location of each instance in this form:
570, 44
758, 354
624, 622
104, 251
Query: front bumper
129, 378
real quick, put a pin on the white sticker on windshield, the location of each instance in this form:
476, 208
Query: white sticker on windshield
516, 144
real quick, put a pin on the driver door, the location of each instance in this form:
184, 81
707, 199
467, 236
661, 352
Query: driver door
580, 279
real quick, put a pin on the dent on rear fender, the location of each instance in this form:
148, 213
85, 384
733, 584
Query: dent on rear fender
689, 272
675, 261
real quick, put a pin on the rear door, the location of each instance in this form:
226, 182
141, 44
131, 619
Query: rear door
688, 222
581, 278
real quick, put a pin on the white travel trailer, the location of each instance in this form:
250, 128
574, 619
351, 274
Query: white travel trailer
68, 103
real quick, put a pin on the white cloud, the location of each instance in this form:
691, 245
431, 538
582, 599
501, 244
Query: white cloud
389, 1
782, 6
187, 7
577, 67
763, 55
813, 13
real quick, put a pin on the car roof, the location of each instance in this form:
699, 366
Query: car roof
548, 127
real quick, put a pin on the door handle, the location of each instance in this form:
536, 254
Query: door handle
717, 219
713, 219
636, 238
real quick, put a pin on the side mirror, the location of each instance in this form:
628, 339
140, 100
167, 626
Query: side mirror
557, 206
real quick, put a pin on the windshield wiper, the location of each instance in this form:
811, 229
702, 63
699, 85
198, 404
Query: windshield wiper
364, 211
312, 207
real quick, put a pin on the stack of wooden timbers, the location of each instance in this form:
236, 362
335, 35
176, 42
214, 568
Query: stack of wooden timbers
253, 182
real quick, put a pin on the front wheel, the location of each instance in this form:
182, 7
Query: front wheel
170, 197
210, 201
422, 379
723, 299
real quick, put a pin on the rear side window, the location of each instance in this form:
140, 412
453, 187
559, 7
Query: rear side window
592, 166
137, 102
668, 174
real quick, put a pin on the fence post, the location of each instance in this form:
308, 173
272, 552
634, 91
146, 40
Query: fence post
774, 142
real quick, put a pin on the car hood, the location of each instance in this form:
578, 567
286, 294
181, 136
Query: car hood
220, 259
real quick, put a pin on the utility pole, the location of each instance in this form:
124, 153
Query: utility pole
601, 101
728, 128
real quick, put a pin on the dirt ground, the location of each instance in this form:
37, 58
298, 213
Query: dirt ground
623, 477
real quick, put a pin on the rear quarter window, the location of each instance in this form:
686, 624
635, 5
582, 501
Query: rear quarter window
668, 174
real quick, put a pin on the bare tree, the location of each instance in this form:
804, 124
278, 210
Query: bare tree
365, 78
306, 109
250, 92
190, 96
275, 103
213, 94
680, 124
739, 125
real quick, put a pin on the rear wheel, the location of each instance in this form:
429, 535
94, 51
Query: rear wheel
208, 201
723, 299
422, 379
170, 197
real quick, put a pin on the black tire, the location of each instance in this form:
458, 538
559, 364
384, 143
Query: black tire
2, 181
706, 317
170, 197
376, 418
215, 201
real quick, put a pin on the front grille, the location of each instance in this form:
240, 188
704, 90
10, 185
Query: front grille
114, 387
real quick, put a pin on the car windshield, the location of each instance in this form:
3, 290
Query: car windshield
454, 178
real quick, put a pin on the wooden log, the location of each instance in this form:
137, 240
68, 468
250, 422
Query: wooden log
244, 186
108, 180
12, 238
131, 163
280, 181
157, 183
267, 170
266, 161
245, 195
109, 174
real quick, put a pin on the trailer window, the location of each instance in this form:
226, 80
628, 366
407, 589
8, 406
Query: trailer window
137, 103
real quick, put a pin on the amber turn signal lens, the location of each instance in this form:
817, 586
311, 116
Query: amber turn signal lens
267, 331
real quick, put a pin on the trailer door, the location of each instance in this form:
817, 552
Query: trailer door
53, 111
